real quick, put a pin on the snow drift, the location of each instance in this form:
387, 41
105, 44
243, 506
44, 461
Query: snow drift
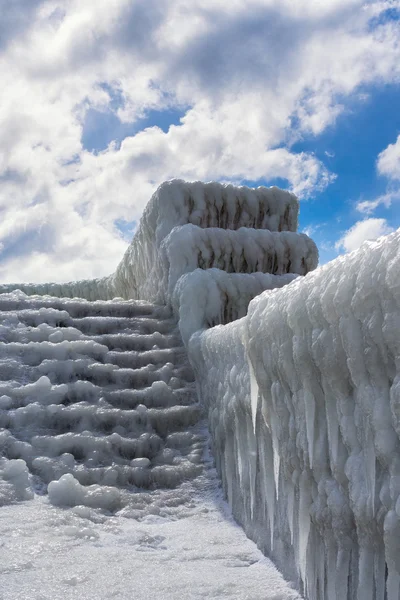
303, 397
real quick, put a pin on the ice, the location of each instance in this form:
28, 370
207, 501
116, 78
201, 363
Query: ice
323, 352
105, 482
14, 481
174, 204
204, 298
67, 491
295, 368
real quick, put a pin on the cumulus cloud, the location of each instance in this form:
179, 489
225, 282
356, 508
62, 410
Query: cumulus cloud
248, 79
389, 161
368, 229
367, 207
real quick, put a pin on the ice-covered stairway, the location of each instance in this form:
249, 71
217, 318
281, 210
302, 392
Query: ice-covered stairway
101, 391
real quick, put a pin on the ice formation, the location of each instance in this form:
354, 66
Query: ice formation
301, 385
205, 298
303, 397
95, 399
177, 203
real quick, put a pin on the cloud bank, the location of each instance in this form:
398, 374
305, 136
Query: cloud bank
246, 81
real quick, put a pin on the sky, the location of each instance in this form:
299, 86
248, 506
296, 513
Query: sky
103, 100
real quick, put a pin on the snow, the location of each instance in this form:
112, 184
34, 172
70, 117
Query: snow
304, 392
107, 489
48, 553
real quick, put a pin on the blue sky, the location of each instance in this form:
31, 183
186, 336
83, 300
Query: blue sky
107, 100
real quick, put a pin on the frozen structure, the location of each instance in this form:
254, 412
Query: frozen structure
303, 401
190, 225
297, 369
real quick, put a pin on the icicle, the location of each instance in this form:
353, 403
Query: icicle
270, 493
254, 393
309, 402
331, 573
277, 461
366, 575
370, 462
393, 585
290, 507
379, 574
321, 573
333, 427
342, 574
251, 445
304, 523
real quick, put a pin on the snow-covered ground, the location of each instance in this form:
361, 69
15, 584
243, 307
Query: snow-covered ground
197, 552
107, 489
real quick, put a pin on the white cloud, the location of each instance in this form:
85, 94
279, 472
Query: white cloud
249, 77
367, 207
368, 229
389, 161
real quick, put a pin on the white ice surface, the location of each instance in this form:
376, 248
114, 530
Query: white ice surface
47, 553
303, 400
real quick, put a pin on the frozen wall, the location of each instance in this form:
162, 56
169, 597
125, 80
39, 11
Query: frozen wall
176, 203
303, 397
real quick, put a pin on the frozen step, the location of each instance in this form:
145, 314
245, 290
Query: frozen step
90, 325
79, 308
105, 374
135, 359
14, 395
126, 342
59, 419
94, 325
33, 353
102, 391
158, 395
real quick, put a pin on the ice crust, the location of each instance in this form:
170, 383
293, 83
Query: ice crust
303, 397
174, 204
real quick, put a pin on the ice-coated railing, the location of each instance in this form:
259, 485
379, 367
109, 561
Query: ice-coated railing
303, 397
205, 298
175, 204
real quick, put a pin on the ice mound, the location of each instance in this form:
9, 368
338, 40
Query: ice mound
242, 251
14, 481
303, 397
67, 491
